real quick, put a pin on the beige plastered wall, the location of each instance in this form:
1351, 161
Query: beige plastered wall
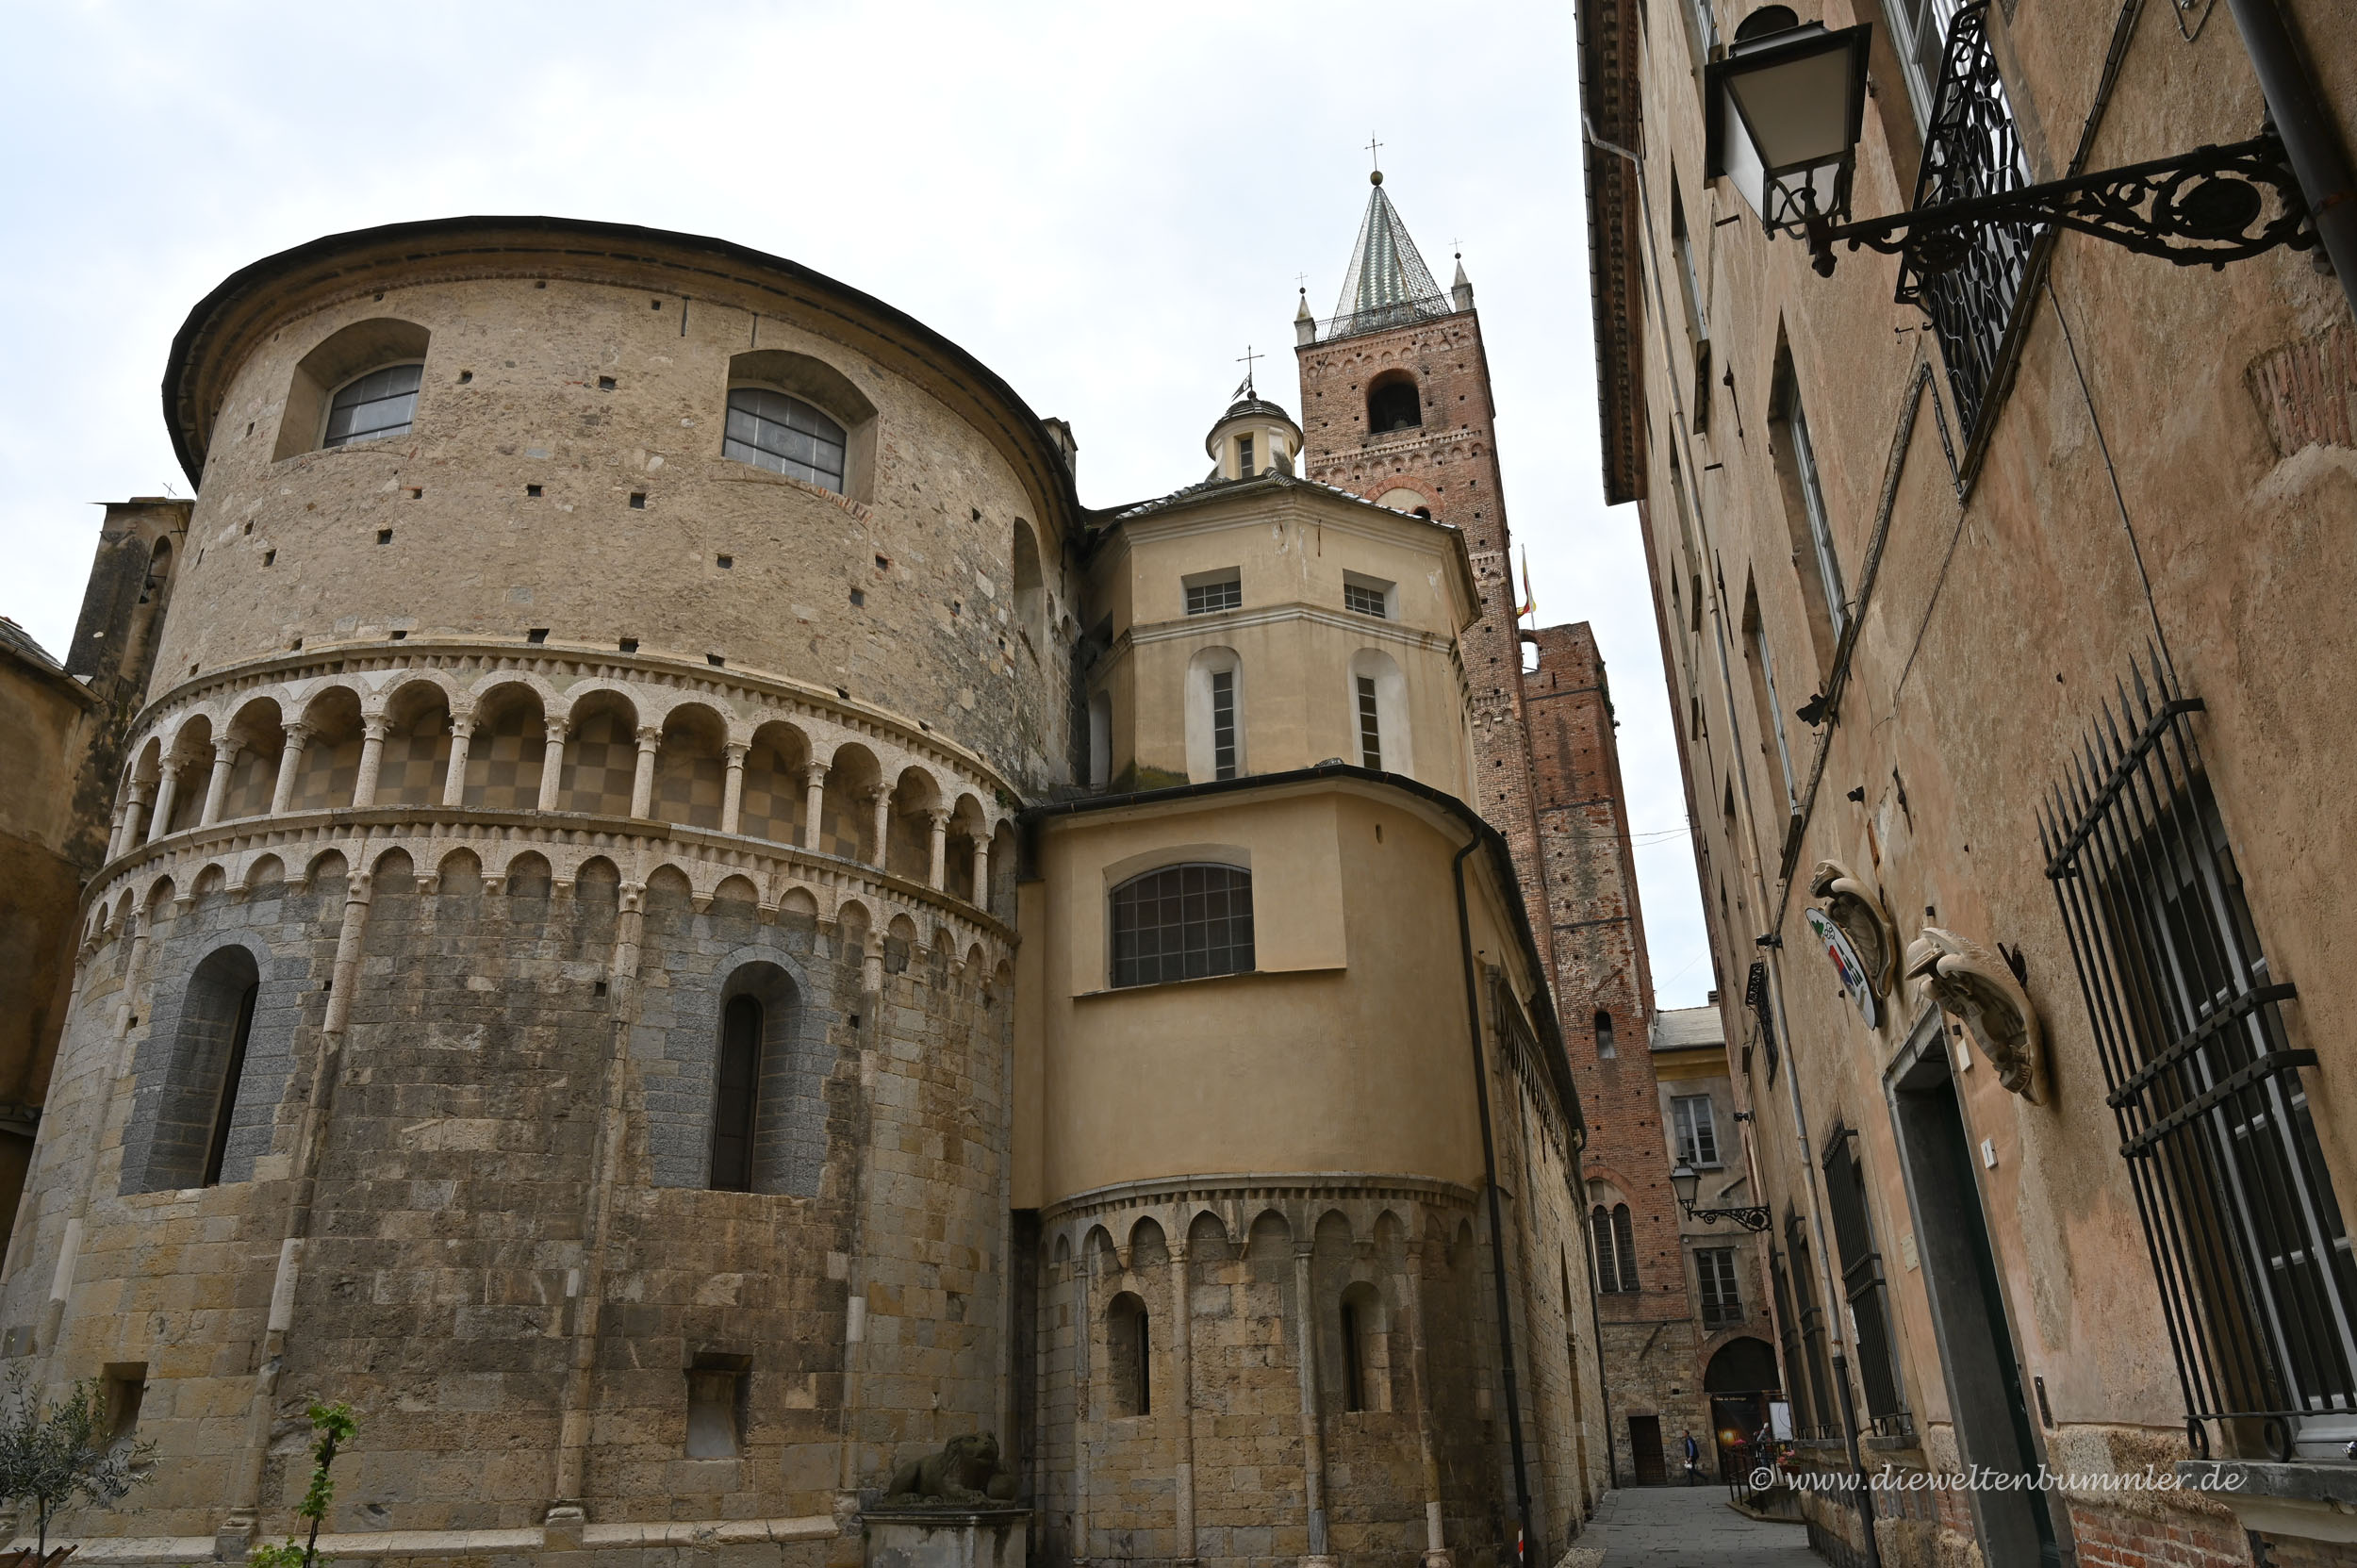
1344, 1050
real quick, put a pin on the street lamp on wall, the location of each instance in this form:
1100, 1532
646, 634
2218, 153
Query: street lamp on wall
1785, 107
1686, 1182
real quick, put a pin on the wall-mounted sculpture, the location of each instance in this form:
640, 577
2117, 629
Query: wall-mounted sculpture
1852, 907
1974, 985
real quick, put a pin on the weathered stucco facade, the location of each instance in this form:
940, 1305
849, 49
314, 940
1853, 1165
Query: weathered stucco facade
2013, 646
622, 963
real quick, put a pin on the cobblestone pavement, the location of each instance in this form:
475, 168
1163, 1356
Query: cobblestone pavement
1689, 1527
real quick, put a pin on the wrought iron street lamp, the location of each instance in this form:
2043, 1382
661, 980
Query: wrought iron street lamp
1687, 1183
1785, 107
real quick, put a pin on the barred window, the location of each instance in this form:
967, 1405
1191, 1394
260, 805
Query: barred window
382, 402
1696, 1129
784, 434
1223, 723
1182, 922
1366, 599
2240, 1213
1370, 727
1616, 1248
1212, 597
1723, 1302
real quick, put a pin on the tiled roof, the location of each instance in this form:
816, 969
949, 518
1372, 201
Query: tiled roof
1685, 1027
19, 642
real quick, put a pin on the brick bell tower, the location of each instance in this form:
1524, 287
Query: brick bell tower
1395, 408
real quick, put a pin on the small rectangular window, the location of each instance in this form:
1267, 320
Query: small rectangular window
1723, 1301
1370, 731
125, 1388
1224, 724
1819, 526
719, 1387
1366, 597
1696, 1129
1226, 593
1244, 456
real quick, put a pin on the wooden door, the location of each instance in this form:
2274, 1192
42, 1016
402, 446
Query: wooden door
1645, 1442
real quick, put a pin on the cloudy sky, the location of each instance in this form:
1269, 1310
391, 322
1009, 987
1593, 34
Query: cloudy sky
1105, 202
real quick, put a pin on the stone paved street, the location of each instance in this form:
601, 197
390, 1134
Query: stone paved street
1679, 1526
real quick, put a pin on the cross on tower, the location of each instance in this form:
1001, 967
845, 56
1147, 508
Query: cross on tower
1245, 359
1375, 150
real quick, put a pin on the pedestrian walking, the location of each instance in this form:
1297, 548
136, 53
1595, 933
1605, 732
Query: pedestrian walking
1693, 1453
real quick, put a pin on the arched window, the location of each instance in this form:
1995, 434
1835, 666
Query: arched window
736, 1097
1393, 405
1604, 1034
1131, 1355
188, 1143
1182, 922
1616, 1248
784, 434
382, 402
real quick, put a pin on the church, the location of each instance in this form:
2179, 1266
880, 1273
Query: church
674, 921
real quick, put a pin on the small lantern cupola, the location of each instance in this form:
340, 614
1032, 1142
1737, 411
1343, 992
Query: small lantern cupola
1255, 437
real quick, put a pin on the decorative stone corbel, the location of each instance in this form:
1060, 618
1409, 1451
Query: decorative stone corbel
1852, 905
1976, 987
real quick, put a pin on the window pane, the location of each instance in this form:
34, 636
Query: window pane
784, 434
1370, 731
1183, 922
1365, 601
380, 403
1212, 597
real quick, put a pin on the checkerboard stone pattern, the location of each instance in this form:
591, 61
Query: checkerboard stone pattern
415, 764
253, 779
841, 833
330, 770
504, 764
601, 766
689, 786
771, 805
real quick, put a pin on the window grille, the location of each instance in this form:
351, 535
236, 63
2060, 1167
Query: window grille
382, 402
2249, 1249
1862, 1283
1723, 1302
1365, 600
1370, 731
1223, 723
1812, 1321
1971, 148
1696, 1129
1182, 922
783, 435
1212, 597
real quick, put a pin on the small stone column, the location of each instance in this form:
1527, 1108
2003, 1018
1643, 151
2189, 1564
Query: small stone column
461, 742
129, 836
1313, 1419
642, 787
114, 827
1410, 1287
1182, 1373
553, 760
372, 759
814, 802
225, 751
937, 868
167, 791
289, 764
732, 798
982, 874
879, 800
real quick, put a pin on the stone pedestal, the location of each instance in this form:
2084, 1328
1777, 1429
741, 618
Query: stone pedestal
992, 1536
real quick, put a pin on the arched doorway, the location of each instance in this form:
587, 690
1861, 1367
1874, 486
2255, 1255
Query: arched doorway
1740, 1379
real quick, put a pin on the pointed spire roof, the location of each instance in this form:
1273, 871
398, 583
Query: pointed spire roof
1387, 283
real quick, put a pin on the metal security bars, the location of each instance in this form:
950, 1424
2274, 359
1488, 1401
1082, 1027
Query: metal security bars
2248, 1248
1971, 149
1862, 1285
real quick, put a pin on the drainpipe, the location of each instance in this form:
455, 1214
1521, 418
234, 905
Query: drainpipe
1595, 1317
1529, 1542
2311, 139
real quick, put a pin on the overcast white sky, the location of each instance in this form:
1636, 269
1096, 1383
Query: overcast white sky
1104, 203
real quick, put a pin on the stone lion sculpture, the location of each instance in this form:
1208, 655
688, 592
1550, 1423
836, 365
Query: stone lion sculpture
965, 1473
